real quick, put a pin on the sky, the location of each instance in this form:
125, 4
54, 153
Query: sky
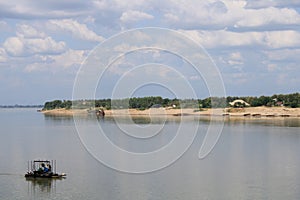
254, 43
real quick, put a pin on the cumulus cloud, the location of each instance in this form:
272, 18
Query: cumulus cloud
266, 39
235, 58
123, 13
209, 14
134, 15
190, 14
26, 31
16, 46
282, 39
76, 29
268, 16
70, 58
284, 55
271, 3
44, 45
29, 41
245, 36
194, 14
30, 9
120, 5
214, 14
231, 61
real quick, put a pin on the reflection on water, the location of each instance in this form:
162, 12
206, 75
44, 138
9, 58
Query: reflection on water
271, 121
276, 121
57, 120
41, 187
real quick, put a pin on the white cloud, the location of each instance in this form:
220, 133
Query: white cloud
70, 58
120, 5
24, 30
214, 14
3, 56
280, 39
195, 13
134, 15
246, 37
271, 3
124, 47
29, 41
283, 55
14, 46
30, 9
170, 17
140, 39
267, 39
122, 13
76, 29
211, 14
268, 16
18, 46
215, 39
44, 45
235, 58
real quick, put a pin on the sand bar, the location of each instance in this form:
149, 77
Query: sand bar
253, 112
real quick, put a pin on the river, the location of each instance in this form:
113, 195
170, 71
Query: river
253, 159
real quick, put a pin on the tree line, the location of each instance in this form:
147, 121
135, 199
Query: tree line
141, 103
288, 100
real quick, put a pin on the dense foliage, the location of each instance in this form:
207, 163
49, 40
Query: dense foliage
288, 100
57, 104
141, 103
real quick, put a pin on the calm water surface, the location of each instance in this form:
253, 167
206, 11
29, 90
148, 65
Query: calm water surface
254, 159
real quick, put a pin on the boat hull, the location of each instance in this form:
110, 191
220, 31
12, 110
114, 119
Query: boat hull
50, 175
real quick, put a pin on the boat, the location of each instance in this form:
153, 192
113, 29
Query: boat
98, 112
43, 169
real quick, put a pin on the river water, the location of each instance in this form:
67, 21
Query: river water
253, 159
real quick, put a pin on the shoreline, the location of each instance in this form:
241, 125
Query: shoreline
248, 112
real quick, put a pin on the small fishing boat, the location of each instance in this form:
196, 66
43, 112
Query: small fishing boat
43, 169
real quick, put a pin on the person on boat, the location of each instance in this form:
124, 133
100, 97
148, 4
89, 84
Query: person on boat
46, 169
49, 168
42, 168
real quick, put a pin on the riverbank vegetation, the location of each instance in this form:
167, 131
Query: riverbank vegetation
142, 103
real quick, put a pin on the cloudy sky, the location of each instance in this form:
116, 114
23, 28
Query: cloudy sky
254, 43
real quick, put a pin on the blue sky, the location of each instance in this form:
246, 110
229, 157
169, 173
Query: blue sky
254, 43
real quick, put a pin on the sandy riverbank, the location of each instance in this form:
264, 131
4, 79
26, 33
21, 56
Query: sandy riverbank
231, 112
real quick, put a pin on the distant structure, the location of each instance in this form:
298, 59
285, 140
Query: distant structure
239, 103
100, 113
278, 103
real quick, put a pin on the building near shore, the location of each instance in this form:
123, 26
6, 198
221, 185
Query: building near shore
239, 103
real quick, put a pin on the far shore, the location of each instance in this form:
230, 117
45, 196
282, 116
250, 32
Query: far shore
252, 112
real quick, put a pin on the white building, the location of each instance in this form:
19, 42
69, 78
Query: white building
239, 102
